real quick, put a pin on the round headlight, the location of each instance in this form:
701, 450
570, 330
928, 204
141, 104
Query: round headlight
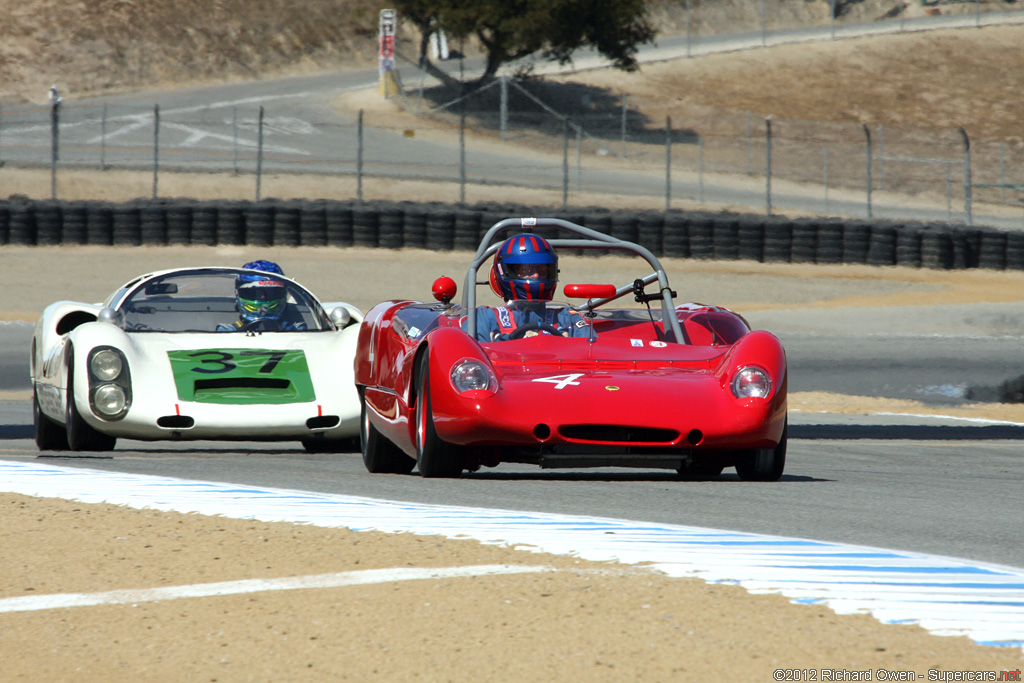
109, 399
105, 365
751, 382
471, 375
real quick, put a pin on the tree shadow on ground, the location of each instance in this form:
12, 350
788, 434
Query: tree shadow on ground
534, 105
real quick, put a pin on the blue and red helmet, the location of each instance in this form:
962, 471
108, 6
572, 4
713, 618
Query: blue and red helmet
525, 267
260, 295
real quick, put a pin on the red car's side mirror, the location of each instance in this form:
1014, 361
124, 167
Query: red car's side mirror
444, 289
589, 291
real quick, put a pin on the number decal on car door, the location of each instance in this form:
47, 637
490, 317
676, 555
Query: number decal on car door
562, 381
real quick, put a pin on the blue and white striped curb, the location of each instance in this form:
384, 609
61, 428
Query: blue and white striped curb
944, 595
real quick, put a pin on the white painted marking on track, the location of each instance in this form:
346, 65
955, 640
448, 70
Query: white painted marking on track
947, 596
32, 603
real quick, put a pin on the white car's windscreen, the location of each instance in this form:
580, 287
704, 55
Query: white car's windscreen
207, 301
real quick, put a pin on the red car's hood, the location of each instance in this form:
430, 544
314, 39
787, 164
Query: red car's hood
608, 353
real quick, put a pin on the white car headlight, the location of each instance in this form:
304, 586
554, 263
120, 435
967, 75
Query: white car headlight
110, 383
109, 399
106, 364
751, 382
472, 375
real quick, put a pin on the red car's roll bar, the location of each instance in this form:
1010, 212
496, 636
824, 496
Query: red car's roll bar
595, 240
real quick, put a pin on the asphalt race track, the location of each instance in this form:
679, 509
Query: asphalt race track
942, 486
928, 485
938, 487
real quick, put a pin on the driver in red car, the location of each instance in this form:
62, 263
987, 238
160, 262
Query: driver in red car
525, 275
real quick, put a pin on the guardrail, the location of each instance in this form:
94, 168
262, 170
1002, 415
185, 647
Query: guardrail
398, 225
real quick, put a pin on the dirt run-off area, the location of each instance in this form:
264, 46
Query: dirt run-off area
585, 621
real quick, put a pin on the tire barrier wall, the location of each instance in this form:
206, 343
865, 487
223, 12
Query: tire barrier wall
395, 225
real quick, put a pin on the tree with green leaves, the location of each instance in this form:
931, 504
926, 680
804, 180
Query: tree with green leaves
509, 30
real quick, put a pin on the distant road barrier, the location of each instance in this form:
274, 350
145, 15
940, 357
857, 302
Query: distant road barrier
435, 226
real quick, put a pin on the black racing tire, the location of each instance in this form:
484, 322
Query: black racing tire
50, 436
331, 445
80, 435
380, 455
436, 458
696, 470
764, 464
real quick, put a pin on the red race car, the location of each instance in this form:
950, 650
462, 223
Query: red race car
450, 388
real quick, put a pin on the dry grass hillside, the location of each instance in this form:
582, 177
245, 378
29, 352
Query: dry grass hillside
97, 46
101, 46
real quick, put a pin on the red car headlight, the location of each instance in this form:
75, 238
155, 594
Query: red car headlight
751, 382
469, 374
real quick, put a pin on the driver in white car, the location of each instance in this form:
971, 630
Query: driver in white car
261, 300
525, 275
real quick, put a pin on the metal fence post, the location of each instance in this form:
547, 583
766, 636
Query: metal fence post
156, 149
359, 157
624, 101
504, 109
768, 166
579, 158
700, 167
749, 170
1002, 172
103, 139
949, 191
764, 24
462, 156
54, 145
668, 163
825, 180
881, 158
967, 177
234, 136
689, 52
565, 162
259, 153
867, 135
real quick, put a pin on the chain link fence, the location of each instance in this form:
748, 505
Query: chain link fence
552, 136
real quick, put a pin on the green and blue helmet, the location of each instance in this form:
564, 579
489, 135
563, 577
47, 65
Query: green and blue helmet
261, 296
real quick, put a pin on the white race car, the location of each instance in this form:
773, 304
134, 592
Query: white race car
149, 363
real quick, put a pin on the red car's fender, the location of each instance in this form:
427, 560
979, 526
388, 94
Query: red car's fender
448, 346
764, 350
368, 350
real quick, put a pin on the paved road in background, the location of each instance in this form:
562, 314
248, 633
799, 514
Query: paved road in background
215, 128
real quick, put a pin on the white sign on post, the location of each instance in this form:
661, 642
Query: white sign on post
387, 39
388, 82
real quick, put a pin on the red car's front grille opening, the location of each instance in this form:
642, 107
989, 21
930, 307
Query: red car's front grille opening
618, 434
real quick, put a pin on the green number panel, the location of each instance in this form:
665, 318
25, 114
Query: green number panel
242, 376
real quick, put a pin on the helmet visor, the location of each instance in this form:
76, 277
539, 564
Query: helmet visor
262, 290
531, 271
263, 308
